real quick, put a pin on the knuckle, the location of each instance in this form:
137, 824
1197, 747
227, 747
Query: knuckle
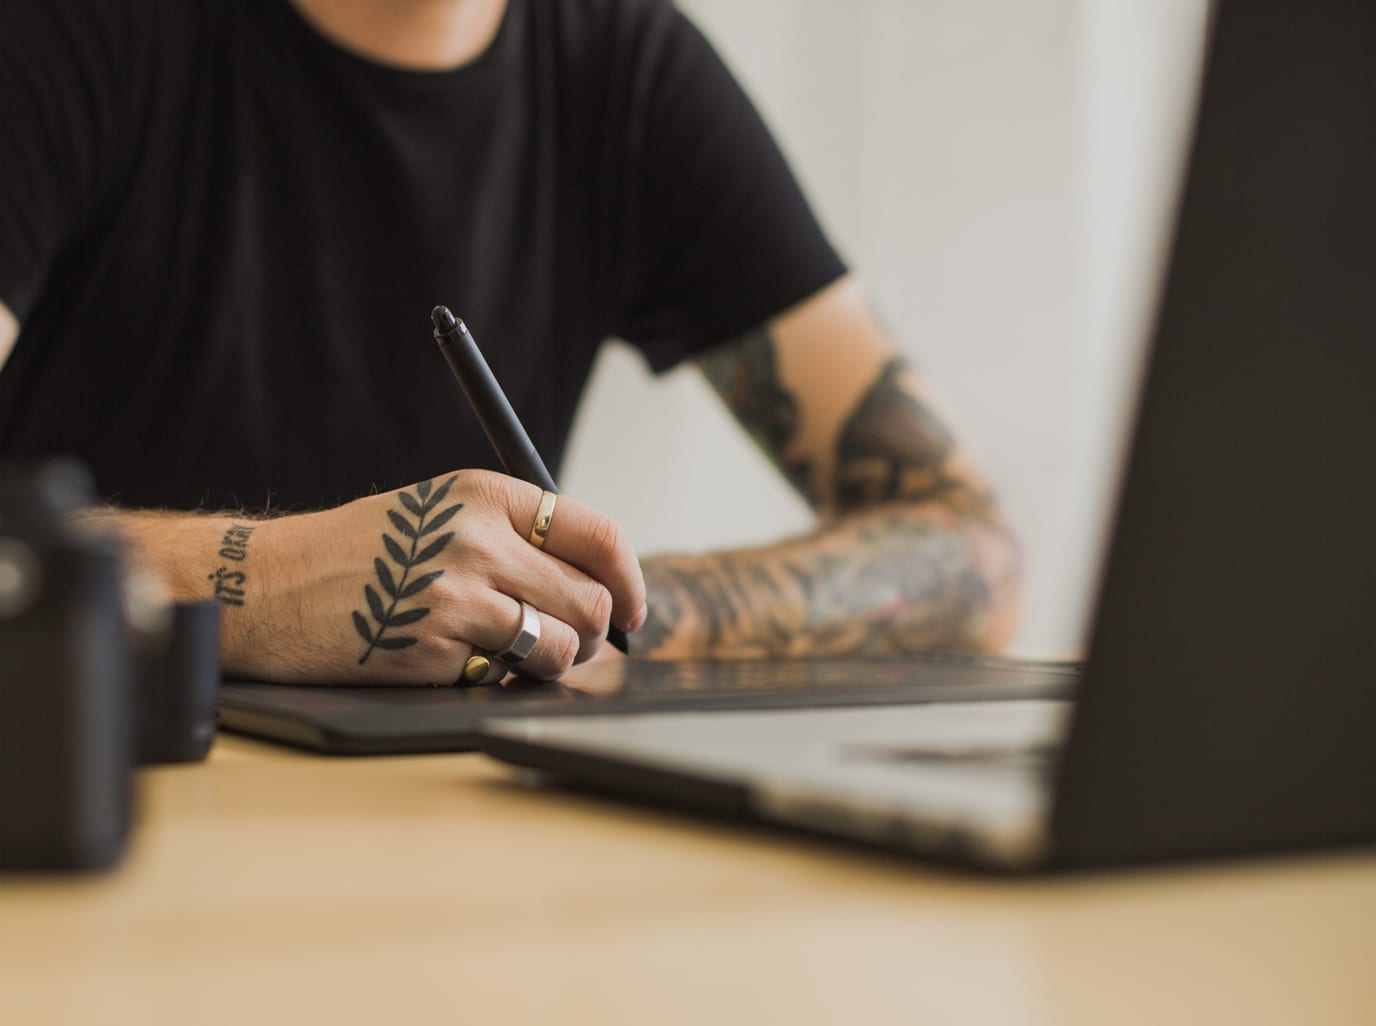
595, 606
606, 538
451, 599
470, 541
443, 593
447, 598
487, 487
432, 648
505, 500
474, 557
563, 649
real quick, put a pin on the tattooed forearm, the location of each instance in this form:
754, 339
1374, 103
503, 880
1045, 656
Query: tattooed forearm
398, 589
886, 583
892, 448
914, 555
745, 374
230, 581
666, 612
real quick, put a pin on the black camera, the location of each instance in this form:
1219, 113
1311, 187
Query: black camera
95, 678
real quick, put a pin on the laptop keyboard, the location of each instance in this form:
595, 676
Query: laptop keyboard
1039, 758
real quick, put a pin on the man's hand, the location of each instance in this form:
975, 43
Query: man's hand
400, 587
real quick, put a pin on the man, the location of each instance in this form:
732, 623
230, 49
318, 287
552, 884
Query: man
222, 226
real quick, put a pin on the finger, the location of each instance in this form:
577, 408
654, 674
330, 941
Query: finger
558, 590
495, 622
594, 543
605, 675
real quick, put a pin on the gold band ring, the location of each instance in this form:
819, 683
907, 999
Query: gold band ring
524, 640
544, 516
475, 669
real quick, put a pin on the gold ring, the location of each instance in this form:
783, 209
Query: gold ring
523, 641
475, 669
544, 516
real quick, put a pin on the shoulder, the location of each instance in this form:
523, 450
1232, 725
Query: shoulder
611, 13
648, 51
96, 39
612, 57
102, 58
112, 21
619, 27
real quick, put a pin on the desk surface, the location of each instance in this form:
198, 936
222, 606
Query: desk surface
270, 886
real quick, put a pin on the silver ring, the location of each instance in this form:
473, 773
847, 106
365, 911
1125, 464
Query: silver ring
527, 635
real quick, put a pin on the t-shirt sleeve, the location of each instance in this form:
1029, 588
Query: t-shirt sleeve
720, 236
61, 87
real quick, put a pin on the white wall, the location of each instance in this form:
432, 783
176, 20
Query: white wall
995, 170
1141, 64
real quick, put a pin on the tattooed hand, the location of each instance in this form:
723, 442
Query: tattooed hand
401, 587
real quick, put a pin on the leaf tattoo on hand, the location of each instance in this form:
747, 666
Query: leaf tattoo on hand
420, 506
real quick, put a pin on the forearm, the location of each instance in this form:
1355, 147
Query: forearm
183, 550
196, 556
897, 578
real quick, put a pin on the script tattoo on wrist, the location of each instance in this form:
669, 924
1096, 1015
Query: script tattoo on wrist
745, 373
229, 582
420, 505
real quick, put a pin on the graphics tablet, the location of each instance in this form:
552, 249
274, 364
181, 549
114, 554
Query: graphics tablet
393, 720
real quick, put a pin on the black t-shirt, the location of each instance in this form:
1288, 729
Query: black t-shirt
223, 235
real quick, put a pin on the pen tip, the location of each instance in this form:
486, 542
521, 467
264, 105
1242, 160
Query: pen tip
445, 321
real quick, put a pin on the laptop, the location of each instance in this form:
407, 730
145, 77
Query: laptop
1228, 704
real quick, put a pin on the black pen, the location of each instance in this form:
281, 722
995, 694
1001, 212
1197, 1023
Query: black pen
513, 446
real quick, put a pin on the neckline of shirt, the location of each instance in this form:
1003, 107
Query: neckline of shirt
396, 74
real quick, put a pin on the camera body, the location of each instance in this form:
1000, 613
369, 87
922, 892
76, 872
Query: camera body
66, 683
89, 688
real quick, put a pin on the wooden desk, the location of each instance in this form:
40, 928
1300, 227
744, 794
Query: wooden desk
269, 886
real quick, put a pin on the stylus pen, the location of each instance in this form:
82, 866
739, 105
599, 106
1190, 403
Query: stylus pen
513, 446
